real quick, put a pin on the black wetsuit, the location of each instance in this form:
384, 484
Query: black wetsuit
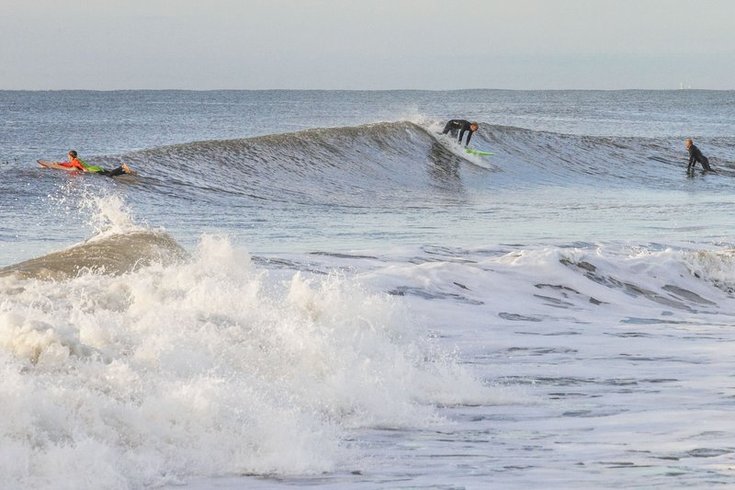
696, 156
459, 126
112, 173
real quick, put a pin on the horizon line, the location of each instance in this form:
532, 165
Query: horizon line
365, 90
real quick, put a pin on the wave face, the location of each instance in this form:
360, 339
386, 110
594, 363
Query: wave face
115, 254
361, 166
403, 163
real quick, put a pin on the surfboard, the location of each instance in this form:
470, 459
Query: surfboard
473, 151
466, 154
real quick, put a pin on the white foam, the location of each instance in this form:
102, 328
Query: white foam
212, 367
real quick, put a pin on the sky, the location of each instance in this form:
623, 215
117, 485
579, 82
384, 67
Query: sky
366, 44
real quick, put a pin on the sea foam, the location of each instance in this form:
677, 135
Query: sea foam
205, 366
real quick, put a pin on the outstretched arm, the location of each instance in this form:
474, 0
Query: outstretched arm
57, 165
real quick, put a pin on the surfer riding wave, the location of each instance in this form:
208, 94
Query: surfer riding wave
460, 126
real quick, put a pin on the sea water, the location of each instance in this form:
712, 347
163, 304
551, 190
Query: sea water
316, 288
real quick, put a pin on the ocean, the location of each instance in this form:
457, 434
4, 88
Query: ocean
315, 288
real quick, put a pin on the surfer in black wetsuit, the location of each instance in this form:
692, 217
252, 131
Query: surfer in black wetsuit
460, 126
696, 156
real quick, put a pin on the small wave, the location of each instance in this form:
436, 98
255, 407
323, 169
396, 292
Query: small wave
113, 254
579, 284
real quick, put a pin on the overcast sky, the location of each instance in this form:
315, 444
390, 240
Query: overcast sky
366, 44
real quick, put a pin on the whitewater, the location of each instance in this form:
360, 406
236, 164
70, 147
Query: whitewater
315, 288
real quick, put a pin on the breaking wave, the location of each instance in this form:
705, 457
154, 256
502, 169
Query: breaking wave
403, 163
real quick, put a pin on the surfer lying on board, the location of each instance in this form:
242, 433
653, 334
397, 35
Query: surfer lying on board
460, 126
75, 163
696, 156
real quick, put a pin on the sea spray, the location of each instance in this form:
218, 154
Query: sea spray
108, 214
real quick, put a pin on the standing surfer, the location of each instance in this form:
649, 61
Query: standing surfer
696, 156
460, 126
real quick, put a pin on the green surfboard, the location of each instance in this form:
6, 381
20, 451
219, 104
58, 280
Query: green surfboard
472, 151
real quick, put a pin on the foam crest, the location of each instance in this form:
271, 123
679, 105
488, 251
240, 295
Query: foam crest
206, 367
716, 266
617, 282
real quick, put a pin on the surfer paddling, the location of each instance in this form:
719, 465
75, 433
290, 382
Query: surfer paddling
76, 164
695, 155
460, 126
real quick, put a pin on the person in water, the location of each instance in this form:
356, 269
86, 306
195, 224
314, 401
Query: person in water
696, 156
460, 126
75, 163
